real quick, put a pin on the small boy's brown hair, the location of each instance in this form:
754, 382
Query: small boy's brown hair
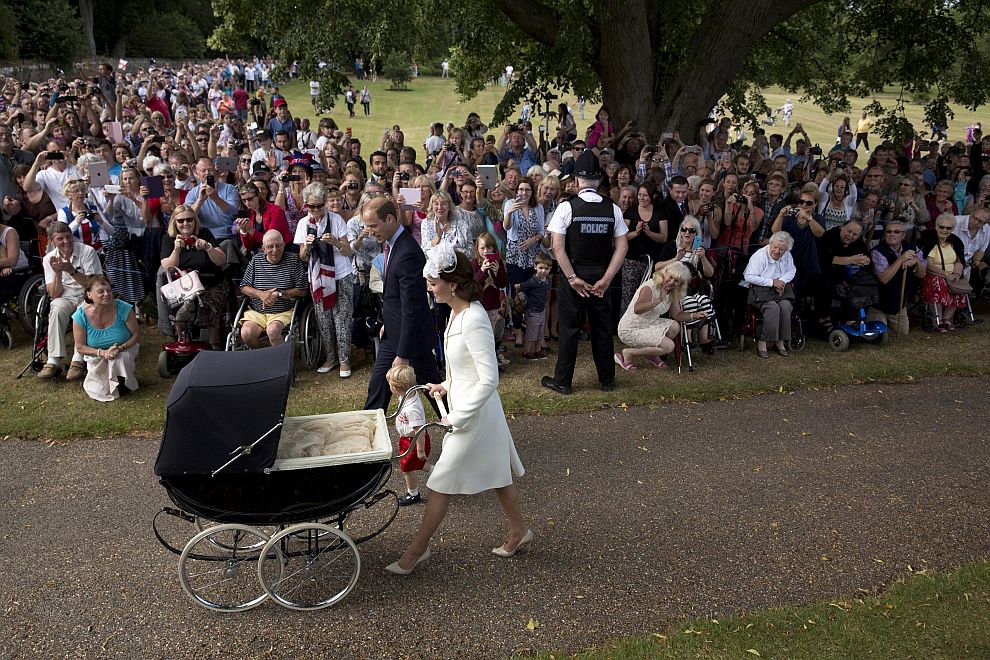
544, 258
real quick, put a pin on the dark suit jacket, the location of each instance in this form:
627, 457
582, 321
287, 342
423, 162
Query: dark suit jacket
409, 324
672, 214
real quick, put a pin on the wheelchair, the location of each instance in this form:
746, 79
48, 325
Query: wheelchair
21, 294
852, 297
34, 307
690, 336
752, 328
304, 329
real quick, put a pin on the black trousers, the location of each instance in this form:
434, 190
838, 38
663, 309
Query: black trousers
379, 393
570, 317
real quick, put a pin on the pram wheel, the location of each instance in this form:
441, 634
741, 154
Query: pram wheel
218, 568
838, 340
320, 564
6, 339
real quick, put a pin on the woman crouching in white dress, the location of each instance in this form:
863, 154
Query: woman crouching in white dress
478, 454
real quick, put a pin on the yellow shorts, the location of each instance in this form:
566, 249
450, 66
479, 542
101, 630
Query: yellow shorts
264, 320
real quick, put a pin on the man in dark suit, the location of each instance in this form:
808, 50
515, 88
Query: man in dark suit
674, 206
409, 333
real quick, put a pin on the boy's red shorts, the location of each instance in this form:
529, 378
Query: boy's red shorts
412, 461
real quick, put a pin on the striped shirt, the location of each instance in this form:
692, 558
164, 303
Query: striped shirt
289, 273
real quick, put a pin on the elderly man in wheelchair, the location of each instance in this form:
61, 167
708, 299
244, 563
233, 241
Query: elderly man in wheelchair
272, 283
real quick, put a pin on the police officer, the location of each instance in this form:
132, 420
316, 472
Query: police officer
589, 242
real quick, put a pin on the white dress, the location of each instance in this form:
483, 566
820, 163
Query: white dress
479, 453
649, 328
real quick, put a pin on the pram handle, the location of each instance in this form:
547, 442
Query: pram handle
422, 429
412, 392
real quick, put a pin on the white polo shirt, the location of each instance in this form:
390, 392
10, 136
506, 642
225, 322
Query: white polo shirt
561, 218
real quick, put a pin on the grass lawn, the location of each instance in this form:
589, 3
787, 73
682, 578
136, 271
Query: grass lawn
56, 410
430, 100
943, 615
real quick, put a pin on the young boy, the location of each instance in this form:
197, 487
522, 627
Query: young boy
537, 290
410, 418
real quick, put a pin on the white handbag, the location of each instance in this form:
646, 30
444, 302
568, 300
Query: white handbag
186, 287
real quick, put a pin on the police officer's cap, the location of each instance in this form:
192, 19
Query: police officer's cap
587, 165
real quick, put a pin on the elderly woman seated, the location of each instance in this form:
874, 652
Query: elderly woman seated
106, 334
651, 322
769, 274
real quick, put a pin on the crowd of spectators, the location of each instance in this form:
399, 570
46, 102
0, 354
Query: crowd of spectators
199, 165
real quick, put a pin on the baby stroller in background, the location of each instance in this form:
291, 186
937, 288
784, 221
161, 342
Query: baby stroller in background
292, 523
771, 118
853, 295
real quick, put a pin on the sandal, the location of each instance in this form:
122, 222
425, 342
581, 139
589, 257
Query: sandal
628, 366
763, 354
658, 361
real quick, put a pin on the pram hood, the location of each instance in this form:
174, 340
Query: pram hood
222, 401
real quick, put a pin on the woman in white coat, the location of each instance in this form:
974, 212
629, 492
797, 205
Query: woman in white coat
478, 454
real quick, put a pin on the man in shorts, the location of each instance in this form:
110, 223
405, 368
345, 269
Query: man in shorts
272, 282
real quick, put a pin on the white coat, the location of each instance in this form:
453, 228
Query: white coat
479, 453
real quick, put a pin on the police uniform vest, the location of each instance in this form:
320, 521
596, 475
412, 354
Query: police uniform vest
589, 237
890, 293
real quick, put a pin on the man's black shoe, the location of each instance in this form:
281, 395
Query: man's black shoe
549, 383
608, 387
408, 499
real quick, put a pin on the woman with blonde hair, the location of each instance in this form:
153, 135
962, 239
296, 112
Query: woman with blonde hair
189, 246
653, 319
413, 218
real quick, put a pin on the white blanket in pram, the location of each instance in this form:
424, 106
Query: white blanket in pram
341, 434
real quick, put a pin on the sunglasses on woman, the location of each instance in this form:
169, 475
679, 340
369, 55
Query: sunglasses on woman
806, 202
688, 230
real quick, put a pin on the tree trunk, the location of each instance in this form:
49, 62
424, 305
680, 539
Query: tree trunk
625, 64
718, 47
86, 14
119, 47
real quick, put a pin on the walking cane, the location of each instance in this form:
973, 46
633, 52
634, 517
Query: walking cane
904, 272
903, 286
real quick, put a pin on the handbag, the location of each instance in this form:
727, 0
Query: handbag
959, 287
186, 287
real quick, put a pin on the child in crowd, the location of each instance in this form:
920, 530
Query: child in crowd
537, 291
410, 418
489, 271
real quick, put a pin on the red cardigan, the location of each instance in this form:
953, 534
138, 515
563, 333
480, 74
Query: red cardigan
273, 217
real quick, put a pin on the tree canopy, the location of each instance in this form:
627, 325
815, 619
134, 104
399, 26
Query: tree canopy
664, 63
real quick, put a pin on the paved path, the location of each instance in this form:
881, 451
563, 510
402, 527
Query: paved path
641, 517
